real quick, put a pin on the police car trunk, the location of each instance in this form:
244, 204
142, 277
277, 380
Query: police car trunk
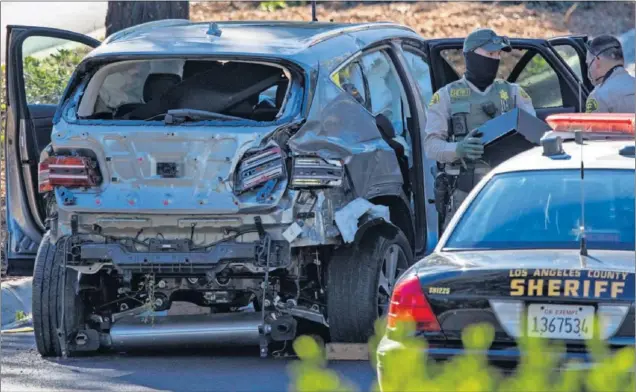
543, 247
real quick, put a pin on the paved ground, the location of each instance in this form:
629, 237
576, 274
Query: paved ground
24, 370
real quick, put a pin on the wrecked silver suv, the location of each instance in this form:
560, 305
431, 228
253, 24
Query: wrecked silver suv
258, 170
270, 173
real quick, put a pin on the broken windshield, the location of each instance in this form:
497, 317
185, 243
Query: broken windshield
148, 89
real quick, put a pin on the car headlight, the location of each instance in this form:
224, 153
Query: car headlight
311, 172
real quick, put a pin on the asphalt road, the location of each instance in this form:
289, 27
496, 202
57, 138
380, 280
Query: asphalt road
24, 370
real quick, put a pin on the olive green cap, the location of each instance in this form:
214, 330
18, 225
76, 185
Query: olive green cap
487, 39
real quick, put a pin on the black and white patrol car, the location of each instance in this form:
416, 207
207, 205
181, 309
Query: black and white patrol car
547, 236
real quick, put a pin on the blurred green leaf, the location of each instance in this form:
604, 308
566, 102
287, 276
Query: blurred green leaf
270, 6
407, 368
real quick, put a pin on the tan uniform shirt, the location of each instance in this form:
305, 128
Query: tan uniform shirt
614, 95
436, 145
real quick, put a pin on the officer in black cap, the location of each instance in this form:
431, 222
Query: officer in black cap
614, 86
464, 105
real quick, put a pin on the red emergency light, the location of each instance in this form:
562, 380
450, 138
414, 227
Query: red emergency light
615, 123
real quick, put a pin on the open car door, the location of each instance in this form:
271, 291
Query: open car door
40, 61
534, 64
572, 50
552, 72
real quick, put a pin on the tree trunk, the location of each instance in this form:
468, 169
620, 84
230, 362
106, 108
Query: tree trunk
124, 14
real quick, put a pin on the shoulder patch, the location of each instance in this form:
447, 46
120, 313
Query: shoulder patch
503, 94
460, 92
434, 99
591, 105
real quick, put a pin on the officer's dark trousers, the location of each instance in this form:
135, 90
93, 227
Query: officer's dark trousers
457, 198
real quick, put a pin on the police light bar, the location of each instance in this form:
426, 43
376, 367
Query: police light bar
600, 123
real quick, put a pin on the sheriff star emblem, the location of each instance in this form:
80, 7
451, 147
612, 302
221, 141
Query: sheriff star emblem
435, 99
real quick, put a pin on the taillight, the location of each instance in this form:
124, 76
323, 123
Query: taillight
308, 172
70, 172
408, 304
259, 167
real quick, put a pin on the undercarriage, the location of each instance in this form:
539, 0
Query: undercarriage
255, 290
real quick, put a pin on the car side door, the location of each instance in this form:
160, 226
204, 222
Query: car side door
533, 64
413, 54
572, 50
40, 61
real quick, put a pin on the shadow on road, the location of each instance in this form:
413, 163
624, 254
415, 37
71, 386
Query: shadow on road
185, 370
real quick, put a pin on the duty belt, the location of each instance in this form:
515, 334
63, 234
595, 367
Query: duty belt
465, 180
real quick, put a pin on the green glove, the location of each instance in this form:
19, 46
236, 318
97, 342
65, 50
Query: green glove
470, 147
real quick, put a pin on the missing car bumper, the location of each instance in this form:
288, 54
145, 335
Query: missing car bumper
124, 258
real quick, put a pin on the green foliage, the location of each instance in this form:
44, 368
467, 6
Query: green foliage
20, 315
537, 65
407, 368
270, 6
45, 79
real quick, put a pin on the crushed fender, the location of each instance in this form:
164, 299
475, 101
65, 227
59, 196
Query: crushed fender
347, 218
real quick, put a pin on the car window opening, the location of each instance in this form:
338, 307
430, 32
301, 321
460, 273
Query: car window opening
197, 90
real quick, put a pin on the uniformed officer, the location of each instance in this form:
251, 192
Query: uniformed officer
462, 106
614, 86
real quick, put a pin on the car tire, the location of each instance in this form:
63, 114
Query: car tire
353, 284
47, 305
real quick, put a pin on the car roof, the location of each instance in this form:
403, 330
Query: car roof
597, 154
300, 41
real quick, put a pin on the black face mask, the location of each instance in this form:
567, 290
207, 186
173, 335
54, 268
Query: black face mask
480, 70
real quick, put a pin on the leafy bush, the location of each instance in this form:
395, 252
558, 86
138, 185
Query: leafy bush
45, 79
20, 315
410, 370
270, 6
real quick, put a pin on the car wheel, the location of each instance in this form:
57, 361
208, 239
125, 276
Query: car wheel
360, 281
47, 305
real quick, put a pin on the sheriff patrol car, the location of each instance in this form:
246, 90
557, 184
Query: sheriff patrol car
541, 246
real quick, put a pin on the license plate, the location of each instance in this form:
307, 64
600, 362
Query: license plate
560, 321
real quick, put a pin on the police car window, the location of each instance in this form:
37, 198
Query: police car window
546, 213
386, 93
455, 58
537, 77
351, 80
421, 73
541, 82
571, 57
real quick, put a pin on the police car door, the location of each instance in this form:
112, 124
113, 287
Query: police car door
39, 63
533, 64
572, 51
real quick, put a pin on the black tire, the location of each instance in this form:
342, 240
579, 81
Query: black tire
352, 285
48, 284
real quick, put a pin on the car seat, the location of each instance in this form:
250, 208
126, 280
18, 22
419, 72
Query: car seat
264, 111
155, 86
